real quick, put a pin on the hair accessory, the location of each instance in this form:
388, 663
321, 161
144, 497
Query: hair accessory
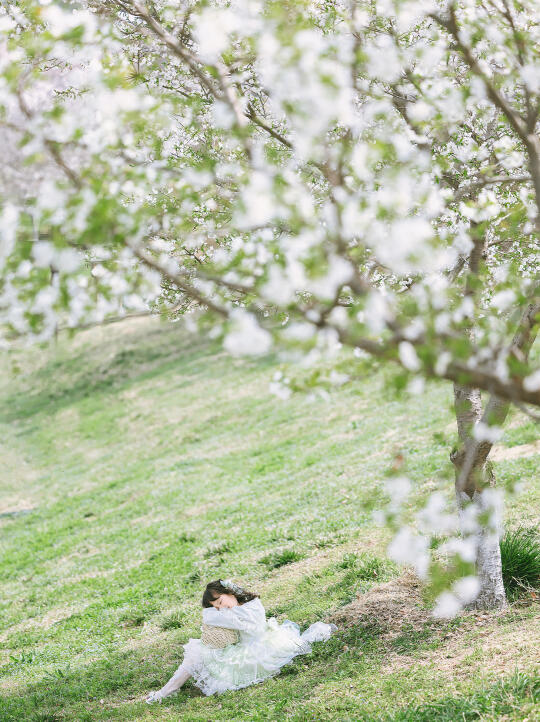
231, 585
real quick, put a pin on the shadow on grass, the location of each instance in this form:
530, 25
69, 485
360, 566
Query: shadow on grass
429, 636
69, 693
76, 694
91, 693
65, 380
498, 701
115, 688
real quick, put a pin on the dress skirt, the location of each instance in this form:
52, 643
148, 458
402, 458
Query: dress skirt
254, 659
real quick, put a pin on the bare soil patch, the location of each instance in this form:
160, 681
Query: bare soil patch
493, 643
502, 453
44, 621
391, 604
499, 641
11, 507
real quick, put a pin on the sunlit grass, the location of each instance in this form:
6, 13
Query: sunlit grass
138, 464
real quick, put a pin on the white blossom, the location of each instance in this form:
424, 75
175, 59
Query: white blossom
63, 21
399, 488
416, 386
377, 311
466, 589
532, 381
8, 228
503, 299
434, 518
408, 548
491, 500
279, 389
447, 605
246, 335
259, 201
383, 60
531, 77
484, 432
408, 356
213, 28
43, 253
339, 272
301, 331
465, 547
338, 379
68, 260
279, 288
358, 199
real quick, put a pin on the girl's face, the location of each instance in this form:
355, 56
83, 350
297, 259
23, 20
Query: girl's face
225, 601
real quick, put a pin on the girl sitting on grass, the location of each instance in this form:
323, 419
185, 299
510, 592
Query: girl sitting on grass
263, 648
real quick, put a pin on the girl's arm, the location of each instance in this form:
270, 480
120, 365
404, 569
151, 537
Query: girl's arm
249, 617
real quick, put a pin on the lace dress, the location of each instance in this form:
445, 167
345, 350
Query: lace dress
264, 647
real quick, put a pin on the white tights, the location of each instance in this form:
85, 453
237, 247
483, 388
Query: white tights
176, 681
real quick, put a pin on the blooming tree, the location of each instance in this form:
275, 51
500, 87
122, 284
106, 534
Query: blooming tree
307, 175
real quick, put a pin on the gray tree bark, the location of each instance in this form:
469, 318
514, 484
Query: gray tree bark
473, 471
473, 474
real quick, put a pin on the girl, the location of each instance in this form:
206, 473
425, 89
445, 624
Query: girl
264, 646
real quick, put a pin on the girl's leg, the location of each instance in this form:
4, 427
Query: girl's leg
176, 681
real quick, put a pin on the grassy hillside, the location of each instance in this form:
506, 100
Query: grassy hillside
138, 463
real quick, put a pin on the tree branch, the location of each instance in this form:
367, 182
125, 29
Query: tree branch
180, 281
497, 98
522, 127
180, 50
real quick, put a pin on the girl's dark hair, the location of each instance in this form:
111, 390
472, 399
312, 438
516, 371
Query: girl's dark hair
215, 589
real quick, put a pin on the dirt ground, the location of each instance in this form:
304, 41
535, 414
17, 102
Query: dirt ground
500, 641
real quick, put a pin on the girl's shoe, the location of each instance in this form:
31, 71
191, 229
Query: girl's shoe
154, 697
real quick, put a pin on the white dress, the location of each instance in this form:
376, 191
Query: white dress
264, 647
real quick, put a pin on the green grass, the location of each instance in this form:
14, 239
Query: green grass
502, 700
279, 559
137, 464
520, 557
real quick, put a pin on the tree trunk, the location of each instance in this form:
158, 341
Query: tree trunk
474, 475
489, 567
473, 488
